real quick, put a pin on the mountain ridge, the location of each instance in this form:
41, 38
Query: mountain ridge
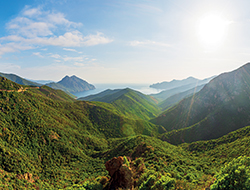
226, 96
178, 83
129, 102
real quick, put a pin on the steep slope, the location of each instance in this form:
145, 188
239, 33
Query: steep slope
220, 107
172, 100
178, 83
48, 135
19, 80
163, 95
129, 102
71, 84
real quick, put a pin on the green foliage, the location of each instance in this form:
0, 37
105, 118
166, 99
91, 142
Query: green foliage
199, 117
129, 102
155, 181
60, 143
234, 175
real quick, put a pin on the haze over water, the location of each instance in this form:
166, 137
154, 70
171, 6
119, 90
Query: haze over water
143, 88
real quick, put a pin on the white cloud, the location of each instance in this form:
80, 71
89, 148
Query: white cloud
56, 56
148, 43
92, 40
59, 18
13, 47
67, 49
35, 28
9, 67
79, 64
80, 59
37, 54
32, 12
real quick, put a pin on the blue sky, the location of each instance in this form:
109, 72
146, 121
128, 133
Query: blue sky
109, 41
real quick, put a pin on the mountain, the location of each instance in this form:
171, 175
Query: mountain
163, 95
104, 96
49, 137
19, 80
129, 102
172, 100
49, 140
72, 84
178, 83
220, 107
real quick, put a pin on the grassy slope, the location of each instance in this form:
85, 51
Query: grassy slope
223, 149
62, 142
220, 107
129, 102
48, 134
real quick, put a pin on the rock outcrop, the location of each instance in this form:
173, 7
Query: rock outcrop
121, 174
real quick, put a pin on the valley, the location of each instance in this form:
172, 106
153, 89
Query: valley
193, 138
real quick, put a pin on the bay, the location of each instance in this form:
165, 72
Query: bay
143, 88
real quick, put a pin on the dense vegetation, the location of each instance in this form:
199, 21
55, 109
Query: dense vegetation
223, 103
129, 102
49, 140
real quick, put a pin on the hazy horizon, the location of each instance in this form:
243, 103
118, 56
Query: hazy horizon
123, 42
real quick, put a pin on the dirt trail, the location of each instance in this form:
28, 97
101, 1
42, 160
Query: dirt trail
19, 90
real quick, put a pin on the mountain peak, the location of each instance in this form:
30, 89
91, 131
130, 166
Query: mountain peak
72, 84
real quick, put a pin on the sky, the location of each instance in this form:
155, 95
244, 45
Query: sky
125, 41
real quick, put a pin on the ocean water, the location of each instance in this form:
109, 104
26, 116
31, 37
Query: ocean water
143, 88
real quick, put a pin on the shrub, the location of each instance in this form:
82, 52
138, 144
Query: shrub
234, 175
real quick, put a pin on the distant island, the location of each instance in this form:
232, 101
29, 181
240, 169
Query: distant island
72, 84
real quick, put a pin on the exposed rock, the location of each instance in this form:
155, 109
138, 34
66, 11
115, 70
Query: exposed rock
27, 176
121, 174
113, 165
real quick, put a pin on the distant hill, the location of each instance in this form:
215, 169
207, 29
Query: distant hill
220, 107
163, 95
19, 80
129, 102
41, 81
172, 100
71, 84
178, 83
104, 96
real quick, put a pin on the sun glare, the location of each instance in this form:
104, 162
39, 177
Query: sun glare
211, 30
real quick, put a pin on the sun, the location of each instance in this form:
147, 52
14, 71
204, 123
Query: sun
211, 30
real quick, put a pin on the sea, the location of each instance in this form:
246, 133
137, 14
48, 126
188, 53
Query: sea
143, 88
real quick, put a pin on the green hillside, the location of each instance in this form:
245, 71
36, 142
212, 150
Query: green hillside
129, 102
50, 135
19, 80
49, 140
220, 107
